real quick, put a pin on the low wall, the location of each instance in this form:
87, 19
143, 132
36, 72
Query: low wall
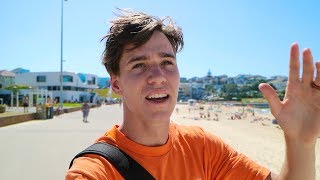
9, 120
69, 110
256, 105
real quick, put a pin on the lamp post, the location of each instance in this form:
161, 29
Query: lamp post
61, 58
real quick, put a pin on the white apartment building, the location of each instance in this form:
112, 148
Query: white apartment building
185, 91
6, 78
76, 87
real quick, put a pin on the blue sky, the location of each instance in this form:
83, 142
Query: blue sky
227, 37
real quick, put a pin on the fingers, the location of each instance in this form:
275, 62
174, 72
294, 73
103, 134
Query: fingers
271, 96
294, 65
317, 80
308, 67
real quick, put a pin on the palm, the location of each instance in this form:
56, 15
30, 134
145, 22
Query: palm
299, 113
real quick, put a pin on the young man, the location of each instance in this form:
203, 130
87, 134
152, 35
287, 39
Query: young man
140, 57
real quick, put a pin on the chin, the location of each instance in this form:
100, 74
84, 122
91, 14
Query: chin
160, 116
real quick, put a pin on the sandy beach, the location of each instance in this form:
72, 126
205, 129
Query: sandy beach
253, 135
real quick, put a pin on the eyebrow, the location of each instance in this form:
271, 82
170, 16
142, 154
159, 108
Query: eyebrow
144, 58
137, 58
169, 55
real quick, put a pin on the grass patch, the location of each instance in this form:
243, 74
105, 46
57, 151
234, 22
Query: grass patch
72, 104
254, 100
69, 105
105, 93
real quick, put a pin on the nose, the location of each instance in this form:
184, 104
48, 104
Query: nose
156, 75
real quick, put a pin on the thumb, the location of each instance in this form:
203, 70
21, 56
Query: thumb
272, 97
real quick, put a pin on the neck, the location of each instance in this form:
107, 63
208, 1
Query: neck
146, 134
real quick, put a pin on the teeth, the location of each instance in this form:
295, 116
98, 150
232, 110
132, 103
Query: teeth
157, 96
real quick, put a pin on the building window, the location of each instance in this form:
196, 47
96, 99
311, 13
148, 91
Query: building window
67, 78
66, 88
41, 78
0, 86
92, 81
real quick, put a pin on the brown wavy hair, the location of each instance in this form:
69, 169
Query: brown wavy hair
136, 28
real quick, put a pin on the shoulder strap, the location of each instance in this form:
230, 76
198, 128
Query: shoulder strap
126, 166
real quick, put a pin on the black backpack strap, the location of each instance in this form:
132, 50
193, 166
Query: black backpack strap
126, 166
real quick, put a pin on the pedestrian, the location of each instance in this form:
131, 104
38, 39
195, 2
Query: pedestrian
85, 111
25, 104
140, 56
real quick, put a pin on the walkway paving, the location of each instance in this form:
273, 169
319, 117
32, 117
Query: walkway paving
42, 149
16, 111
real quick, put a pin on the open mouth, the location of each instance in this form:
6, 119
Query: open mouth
157, 98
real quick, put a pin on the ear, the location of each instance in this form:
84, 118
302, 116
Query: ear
115, 84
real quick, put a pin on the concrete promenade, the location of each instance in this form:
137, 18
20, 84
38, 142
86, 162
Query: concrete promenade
42, 149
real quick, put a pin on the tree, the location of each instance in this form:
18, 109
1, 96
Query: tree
229, 91
209, 89
16, 88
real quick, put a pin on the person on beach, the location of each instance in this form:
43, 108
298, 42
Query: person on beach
85, 108
140, 56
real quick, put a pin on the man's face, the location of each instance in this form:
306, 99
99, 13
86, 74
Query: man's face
148, 80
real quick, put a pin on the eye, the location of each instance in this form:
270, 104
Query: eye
167, 62
139, 65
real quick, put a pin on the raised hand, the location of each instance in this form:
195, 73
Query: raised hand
299, 112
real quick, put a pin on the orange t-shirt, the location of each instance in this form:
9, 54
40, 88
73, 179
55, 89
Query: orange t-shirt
190, 153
